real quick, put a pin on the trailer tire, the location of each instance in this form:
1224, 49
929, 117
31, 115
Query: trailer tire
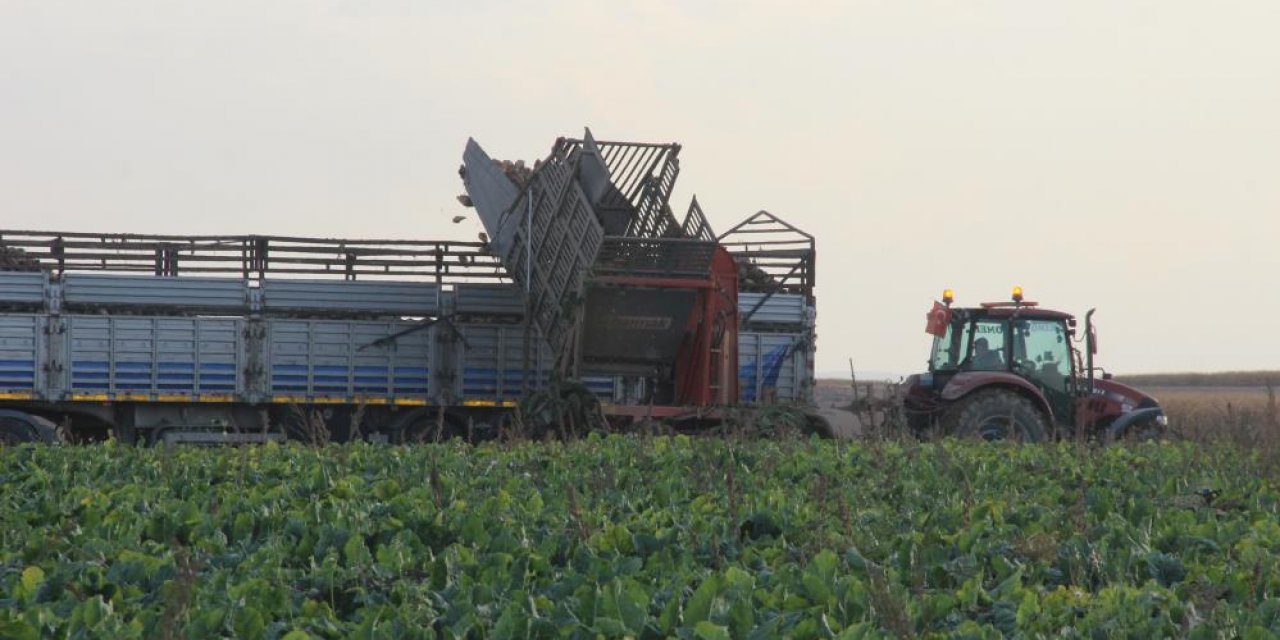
17, 427
996, 414
13, 432
425, 425
817, 423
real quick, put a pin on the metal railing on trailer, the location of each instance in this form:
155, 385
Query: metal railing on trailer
774, 256
146, 334
252, 257
777, 308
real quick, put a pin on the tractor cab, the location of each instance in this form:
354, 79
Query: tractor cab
1006, 369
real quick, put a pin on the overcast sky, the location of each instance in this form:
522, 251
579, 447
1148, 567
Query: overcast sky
1118, 155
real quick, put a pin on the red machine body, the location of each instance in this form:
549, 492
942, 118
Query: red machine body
706, 362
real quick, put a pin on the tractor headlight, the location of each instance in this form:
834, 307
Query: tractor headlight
1162, 420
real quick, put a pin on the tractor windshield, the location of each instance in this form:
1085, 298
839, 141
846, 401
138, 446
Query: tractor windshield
972, 345
949, 350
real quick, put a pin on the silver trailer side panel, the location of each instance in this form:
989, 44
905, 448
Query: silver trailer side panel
154, 356
25, 288
605, 387
490, 363
772, 367
778, 309
87, 289
488, 299
21, 340
351, 297
617, 389
349, 359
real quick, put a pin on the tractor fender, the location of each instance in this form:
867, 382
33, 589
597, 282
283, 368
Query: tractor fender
966, 382
1121, 424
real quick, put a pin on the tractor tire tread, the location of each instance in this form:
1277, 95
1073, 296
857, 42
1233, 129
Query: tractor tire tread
965, 417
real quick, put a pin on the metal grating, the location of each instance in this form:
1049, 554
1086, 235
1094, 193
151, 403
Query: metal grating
590, 208
773, 256
666, 257
695, 223
552, 219
255, 257
641, 176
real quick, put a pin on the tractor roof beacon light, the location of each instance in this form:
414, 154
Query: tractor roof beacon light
1017, 294
948, 296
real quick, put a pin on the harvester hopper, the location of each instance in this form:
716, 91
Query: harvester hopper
614, 282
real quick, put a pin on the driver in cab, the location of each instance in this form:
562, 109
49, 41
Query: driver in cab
984, 359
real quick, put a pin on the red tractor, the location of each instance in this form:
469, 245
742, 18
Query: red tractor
1012, 370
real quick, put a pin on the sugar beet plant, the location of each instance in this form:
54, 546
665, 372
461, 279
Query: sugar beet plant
644, 537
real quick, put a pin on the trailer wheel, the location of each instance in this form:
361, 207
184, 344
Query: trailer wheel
425, 425
996, 414
14, 431
17, 427
817, 423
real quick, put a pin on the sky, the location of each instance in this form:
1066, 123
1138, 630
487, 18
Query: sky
1117, 155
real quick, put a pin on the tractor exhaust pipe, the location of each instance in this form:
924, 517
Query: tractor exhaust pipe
1090, 347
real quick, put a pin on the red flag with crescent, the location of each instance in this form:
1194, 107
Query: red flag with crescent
939, 318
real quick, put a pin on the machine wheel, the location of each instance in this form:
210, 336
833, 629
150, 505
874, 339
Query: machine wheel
817, 423
13, 432
423, 425
17, 428
1144, 431
996, 415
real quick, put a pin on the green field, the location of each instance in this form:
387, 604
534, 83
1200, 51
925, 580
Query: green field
644, 537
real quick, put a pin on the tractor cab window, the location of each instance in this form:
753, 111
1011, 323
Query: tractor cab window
950, 349
988, 352
973, 345
1042, 352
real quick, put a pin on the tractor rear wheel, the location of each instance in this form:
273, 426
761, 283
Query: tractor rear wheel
996, 414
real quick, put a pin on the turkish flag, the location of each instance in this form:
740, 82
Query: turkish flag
939, 318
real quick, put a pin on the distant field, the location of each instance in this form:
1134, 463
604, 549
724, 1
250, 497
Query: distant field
1236, 405
1219, 379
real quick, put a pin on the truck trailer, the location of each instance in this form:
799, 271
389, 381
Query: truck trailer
226, 339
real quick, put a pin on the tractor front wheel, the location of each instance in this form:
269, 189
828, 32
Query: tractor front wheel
1145, 431
996, 414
